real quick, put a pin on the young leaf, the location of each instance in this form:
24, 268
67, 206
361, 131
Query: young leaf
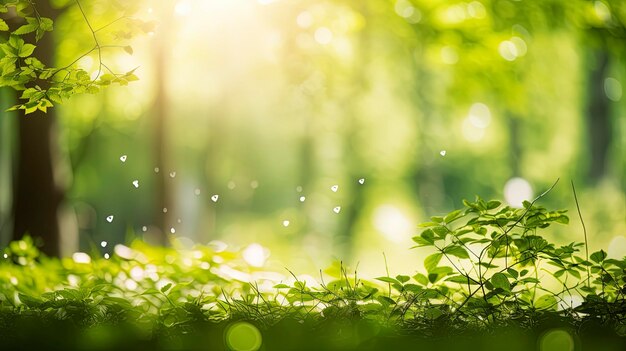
3, 26
431, 262
499, 280
598, 256
457, 251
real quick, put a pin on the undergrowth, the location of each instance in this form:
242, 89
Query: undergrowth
487, 266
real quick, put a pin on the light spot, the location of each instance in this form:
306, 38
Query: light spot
81, 257
304, 19
215, 197
144, 229
520, 46
103, 243
613, 89
182, 8
442, 153
302, 198
334, 188
508, 50
243, 336
130, 284
602, 11
323, 35
172, 174
110, 218
196, 192
472, 133
254, 184
405, 9
556, 340
164, 209
516, 191
124, 252
255, 255
285, 223
476, 10
123, 158
137, 273
136, 183
5, 255
362, 181
299, 189
231, 185
106, 256
392, 223
449, 55
179, 221
337, 209
479, 115
156, 169
172, 230
617, 247
150, 10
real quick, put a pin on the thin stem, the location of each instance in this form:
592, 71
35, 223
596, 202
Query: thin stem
584, 228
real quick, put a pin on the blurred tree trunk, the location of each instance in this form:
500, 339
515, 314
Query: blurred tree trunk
38, 188
598, 116
160, 113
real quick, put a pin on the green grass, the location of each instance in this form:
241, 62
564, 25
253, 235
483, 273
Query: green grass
492, 279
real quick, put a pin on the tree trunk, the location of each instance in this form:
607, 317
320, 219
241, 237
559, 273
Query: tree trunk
39, 189
598, 116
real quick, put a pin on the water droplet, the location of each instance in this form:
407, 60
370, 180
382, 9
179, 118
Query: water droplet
285, 223
442, 152
299, 189
103, 243
110, 219
254, 184
362, 181
197, 191
302, 198
156, 169
106, 256
231, 185
123, 158
136, 183
144, 228
214, 198
172, 230
337, 209
172, 174
334, 188
164, 209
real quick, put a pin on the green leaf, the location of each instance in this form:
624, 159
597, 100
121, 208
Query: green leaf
166, 287
513, 273
545, 302
493, 204
388, 280
128, 49
431, 262
457, 251
403, 278
26, 50
452, 216
25, 29
499, 280
598, 256
3, 26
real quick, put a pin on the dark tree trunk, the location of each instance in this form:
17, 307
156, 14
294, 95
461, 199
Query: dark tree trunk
160, 112
598, 116
38, 190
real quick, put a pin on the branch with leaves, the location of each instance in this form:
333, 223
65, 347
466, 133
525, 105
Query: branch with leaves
41, 86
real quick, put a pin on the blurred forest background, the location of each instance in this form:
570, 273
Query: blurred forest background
408, 106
